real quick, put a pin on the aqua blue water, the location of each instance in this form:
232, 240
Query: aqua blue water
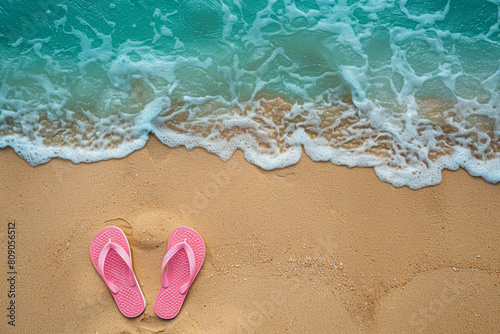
408, 87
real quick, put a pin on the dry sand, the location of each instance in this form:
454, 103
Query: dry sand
312, 248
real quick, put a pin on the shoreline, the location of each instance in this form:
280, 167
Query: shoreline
273, 134
313, 247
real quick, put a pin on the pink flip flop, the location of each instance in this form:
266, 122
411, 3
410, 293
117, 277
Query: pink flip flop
183, 261
110, 253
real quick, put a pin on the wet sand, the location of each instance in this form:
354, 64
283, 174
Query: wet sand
312, 248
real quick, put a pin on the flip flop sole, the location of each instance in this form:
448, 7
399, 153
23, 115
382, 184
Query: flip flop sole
130, 300
169, 300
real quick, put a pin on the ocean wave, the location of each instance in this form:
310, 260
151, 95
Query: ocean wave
407, 87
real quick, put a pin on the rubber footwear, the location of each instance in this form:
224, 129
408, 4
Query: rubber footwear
110, 253
183, 260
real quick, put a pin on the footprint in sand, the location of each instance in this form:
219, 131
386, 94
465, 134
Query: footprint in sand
124, 225
152, 229
148, 230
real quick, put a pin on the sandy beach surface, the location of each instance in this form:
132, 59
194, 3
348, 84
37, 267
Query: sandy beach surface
312, 248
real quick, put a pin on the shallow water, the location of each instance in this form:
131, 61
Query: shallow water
408, 87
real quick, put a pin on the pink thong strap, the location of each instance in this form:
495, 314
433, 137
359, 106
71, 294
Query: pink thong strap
192, 265
126, 258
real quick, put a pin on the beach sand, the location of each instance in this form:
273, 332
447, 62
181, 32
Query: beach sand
311, 248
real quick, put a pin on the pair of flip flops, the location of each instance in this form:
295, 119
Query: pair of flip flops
110, 253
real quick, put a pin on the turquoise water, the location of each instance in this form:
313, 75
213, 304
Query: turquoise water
407, 87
